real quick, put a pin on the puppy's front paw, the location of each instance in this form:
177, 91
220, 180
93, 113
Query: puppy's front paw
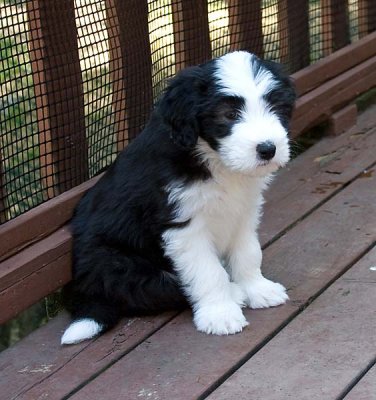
223, 318
263, 293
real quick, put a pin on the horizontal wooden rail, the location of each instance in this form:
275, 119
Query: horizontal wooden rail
329, 67
42, 220
317, 105
34, 272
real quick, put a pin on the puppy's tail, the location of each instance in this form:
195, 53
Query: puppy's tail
91, 320
80, 330
151, 294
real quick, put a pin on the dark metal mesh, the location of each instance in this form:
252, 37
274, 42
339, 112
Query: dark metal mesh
78, 78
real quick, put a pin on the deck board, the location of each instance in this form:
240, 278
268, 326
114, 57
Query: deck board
321, 351
316, 225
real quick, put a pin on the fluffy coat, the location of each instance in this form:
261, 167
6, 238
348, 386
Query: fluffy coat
173, 222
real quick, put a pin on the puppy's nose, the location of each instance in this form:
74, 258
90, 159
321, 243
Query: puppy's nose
266, 150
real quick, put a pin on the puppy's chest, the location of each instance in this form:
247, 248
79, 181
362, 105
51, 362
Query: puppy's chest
218, 207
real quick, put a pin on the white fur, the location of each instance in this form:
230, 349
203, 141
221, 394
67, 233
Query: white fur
224, 214
81, 330
236, 77
215, 208
258, 123
217, 255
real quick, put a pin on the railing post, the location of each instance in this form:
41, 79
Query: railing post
191, 32
3, 213
245, 26
366, 17
117, 75
59, 94
335, 25
294, 33
130, 65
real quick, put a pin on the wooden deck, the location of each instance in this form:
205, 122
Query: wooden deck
319, 235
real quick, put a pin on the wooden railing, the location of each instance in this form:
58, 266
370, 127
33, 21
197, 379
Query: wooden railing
35, 246
58, 94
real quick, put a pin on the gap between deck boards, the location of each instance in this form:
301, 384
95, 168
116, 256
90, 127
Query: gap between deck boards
365, 388
357, 380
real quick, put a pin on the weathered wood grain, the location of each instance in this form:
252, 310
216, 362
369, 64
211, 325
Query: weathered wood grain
34, 362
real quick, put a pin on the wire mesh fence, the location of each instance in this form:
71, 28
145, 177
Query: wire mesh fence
78, 79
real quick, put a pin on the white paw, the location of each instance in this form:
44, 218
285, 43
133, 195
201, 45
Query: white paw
223, 318
238, 294
263, 293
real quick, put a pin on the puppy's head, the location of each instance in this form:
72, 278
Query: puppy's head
237, 108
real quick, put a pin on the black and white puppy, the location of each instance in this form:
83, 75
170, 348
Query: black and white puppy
174, 220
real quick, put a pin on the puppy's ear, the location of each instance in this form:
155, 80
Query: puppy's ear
180, 105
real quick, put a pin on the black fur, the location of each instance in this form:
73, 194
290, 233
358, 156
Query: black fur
282, 98
119, 267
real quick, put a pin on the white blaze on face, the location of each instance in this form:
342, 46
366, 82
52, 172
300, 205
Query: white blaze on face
257, 123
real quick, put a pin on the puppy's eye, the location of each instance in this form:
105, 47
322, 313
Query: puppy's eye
233, 115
